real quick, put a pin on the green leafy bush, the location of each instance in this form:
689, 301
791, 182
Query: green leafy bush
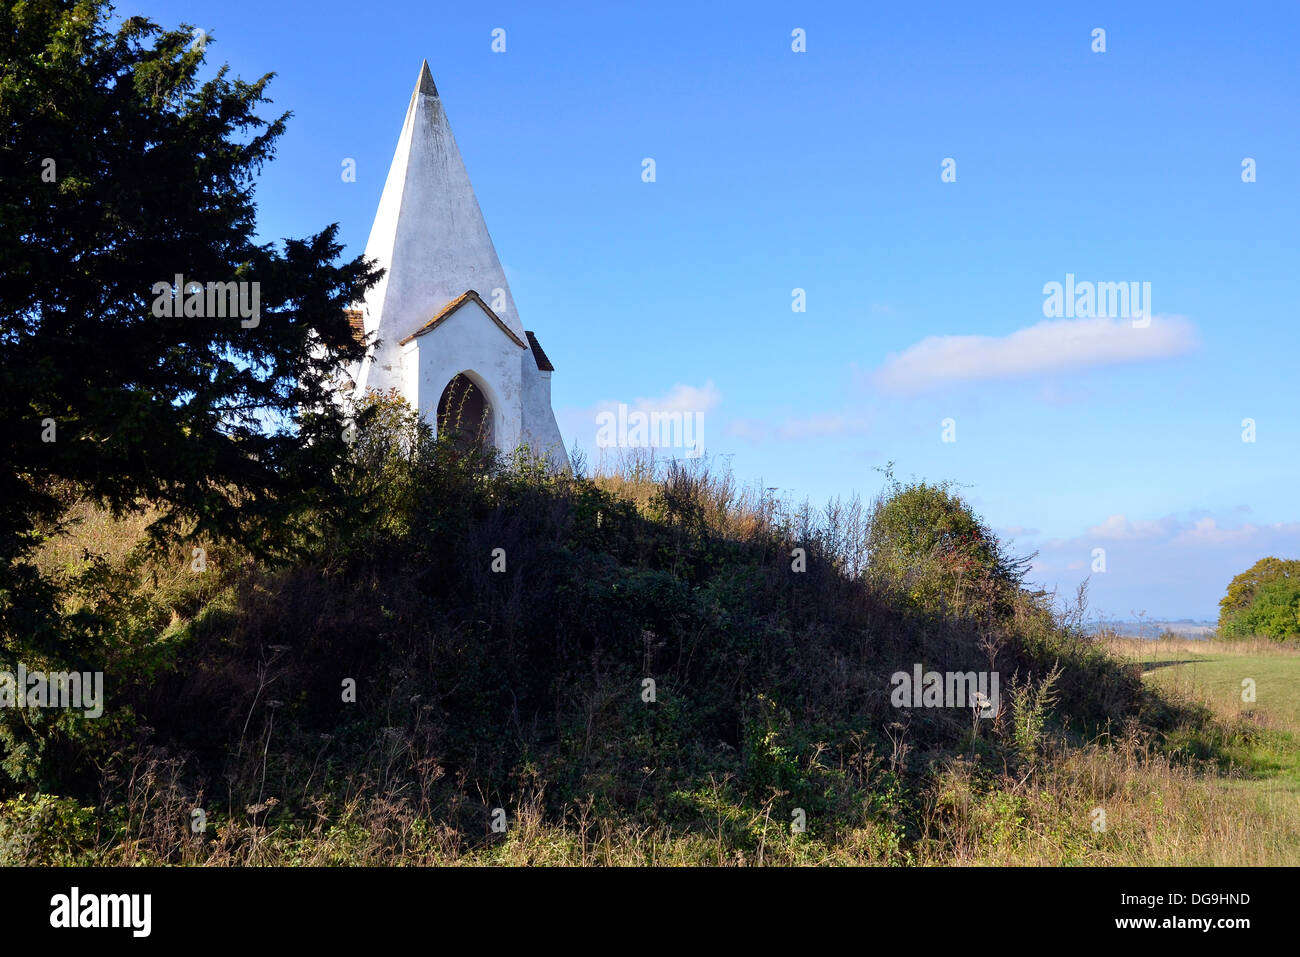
45, 830
925, 538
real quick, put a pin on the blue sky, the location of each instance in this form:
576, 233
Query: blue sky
820, 170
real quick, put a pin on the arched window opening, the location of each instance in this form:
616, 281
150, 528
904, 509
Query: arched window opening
464, 414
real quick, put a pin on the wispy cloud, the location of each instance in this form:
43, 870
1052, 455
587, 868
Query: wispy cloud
1206, 531
1174, 566
581, 421
794, 428
1120, 528
680, 398
1052, 345
1177, 532
1017, 531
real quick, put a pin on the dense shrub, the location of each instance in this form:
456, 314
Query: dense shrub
927, 537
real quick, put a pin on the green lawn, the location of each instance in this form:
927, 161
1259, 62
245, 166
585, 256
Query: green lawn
1218, 679
1214, 674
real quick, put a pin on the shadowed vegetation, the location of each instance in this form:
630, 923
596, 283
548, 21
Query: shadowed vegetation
524, 688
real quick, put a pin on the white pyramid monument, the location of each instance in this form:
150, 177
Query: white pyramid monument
442, 321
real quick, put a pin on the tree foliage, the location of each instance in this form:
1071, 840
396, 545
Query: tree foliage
1241, 590
1263, 600
119, 170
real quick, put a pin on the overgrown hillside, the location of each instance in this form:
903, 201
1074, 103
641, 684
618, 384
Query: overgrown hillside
481, 662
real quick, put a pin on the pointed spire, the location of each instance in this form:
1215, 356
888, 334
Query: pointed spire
429, 232
425, 84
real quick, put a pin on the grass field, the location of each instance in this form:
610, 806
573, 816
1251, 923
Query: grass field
1214, 671
1265, 774
1220, 676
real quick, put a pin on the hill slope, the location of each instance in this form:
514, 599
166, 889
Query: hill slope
484, 663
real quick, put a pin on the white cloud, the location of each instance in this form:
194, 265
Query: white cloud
582, 422
1118, 528
1016, 531
1173, 566
680, 398
793, 428
1048, 346
1206, 531
581, 426
1173, 531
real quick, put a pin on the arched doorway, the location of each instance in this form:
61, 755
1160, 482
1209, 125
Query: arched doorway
464, 413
